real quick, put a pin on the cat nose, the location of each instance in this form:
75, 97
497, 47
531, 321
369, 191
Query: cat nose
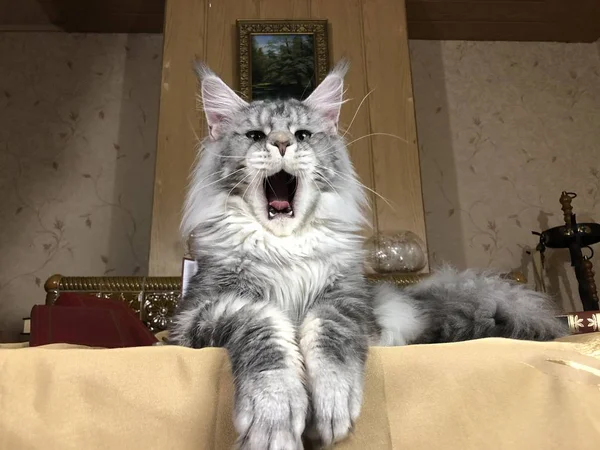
282, 146
280, 140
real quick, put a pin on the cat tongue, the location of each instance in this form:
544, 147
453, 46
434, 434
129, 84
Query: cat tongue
277, 192
280, 205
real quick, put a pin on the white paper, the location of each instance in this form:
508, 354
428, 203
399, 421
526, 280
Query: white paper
189, 269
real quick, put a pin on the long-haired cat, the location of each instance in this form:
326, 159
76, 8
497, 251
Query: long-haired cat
274, 213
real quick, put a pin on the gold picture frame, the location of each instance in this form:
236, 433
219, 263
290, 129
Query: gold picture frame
314, 32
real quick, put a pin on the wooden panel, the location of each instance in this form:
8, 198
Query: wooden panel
103, 16
114, 6
221, 52
346, 41
467, 11
105, 22
177, 125
395, 159
26, 15
277, 9
527, 20
507, 20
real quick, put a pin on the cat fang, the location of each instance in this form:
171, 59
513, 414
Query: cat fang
280, 190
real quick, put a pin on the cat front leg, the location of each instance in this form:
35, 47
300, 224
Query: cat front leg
271, 402
334, 339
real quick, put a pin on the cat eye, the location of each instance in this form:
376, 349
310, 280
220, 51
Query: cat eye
302, 135
256, 135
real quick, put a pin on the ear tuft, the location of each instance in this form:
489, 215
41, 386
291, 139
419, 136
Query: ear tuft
219, 101
328, 96
341, 68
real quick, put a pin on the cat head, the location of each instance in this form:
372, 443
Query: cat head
276, 164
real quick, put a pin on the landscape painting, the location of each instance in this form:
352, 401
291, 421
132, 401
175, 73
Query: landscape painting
281, 58
283, 65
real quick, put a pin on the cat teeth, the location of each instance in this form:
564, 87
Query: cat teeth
273, 212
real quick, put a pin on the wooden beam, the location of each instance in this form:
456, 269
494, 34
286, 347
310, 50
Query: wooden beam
502, 20
480, 20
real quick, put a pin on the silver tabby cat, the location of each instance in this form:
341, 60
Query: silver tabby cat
275, 214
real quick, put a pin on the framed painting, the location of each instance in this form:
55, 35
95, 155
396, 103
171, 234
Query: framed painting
281, 58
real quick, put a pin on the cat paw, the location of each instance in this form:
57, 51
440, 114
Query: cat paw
270, 413
336, 401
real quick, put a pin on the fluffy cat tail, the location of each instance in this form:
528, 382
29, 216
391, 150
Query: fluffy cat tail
450, 306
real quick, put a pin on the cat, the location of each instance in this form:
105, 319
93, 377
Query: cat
274, 215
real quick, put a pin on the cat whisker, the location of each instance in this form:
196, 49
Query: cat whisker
327, 181
204, 149
269, 184
304, 179
233, 188
324, 152
356, 113
354, 180
250, 184
193, 129
220, 179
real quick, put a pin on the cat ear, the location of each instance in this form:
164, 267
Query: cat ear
219, 101
328, 96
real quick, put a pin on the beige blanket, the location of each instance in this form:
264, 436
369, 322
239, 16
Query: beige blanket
487, 394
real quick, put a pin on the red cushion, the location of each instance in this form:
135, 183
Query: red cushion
134, 323
85, 319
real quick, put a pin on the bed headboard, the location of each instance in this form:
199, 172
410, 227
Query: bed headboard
154, 299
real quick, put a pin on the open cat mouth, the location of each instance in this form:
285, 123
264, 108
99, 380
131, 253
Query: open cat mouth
280, 190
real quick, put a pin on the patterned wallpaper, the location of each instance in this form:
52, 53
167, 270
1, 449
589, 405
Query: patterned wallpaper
503, 129
78, 118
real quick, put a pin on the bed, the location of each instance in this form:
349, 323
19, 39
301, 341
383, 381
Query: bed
489, 393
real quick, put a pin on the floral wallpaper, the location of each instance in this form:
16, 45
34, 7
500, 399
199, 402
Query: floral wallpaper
503, 129
78, 117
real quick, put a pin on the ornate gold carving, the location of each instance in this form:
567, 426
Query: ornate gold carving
158, 308
131, 299
246, 28
154, 299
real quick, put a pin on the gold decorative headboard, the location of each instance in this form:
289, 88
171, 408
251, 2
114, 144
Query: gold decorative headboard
154, 298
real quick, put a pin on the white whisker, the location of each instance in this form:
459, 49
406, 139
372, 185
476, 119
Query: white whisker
220, 179
204, 149
250, 184
324, 152
356, 113
355, 180
327, 181
304, 179
233, 188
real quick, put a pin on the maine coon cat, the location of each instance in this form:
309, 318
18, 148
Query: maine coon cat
274, 211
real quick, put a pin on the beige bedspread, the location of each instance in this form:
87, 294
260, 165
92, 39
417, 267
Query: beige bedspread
487, 394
